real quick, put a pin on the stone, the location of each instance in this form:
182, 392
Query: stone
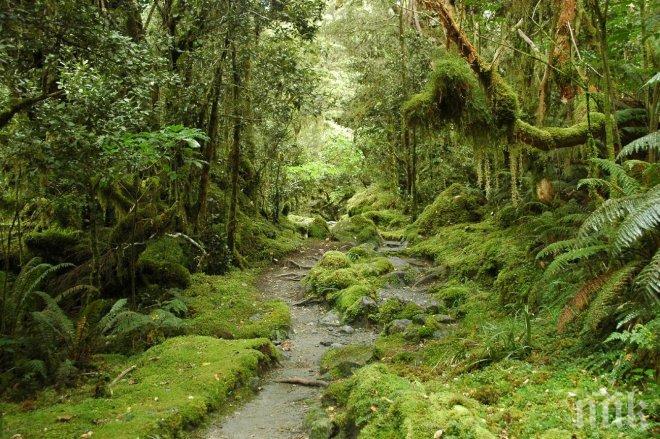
336, 345
347, 329
398, 326
419, 319
330, 319
444, 319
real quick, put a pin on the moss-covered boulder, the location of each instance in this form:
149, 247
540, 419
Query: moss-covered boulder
164, 262
373, 198
362, 251
454, 205
387, 218
380, 404
334, 259
318, 228
342, 362
356, 228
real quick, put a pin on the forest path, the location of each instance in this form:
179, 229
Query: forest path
278, 410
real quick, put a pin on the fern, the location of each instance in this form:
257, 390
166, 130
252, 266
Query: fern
629, 185
580, 300
648, 279
643, 219
561, 262
609, 212
555, 248
650, 142
596, 183
603, 304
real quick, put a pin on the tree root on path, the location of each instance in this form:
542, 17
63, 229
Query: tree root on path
310, 382
298, 265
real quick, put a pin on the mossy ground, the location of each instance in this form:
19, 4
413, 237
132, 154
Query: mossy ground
173, 386
358, 229
230, 306
501, 368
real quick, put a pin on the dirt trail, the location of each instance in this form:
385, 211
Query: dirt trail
278, 410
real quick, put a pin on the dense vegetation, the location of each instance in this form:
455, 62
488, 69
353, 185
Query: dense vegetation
156, 155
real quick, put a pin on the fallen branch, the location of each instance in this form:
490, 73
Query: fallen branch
123, 374
310, 382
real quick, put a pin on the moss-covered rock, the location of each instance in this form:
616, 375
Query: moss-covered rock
342, 362
334, 259
380, 404
362, 251
373, 198
356, 228
164, 262
387, 218
454, 205
318, 228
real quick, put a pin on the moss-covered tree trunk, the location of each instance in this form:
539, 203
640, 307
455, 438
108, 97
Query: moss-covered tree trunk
235, 154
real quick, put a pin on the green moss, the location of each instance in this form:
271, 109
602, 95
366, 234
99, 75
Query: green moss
393, 309
173, 386
346, 298
334, 259
375, 267
54, 244
373, 198
452, 94
356, 228
230, 306
164, 262
381, 404
322, 280
503, 102
318, 228
387, 218
454, 205
341, 362
547, 139
362, 251
259, 240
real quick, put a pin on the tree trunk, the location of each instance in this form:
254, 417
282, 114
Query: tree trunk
235, 155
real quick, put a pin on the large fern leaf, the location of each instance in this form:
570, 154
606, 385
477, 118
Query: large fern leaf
580, 300
562, 262
650, 142
609, 212
648, 279
629, 186
645, 218
603, 306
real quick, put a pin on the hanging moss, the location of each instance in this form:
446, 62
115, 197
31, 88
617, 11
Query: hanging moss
452, 94
503, 102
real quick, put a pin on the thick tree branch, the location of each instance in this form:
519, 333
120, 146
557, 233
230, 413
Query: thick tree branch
6, 116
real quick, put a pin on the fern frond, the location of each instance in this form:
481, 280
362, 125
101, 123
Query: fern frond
561, 262
580, 300
108, 321
609, 212
54, 318
595, 183
603, 304
648, 279
643, 219
558, 247
629, 185
129, 321
650, 142
78, 289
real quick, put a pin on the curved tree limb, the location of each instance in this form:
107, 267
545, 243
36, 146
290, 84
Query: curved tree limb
6, 116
